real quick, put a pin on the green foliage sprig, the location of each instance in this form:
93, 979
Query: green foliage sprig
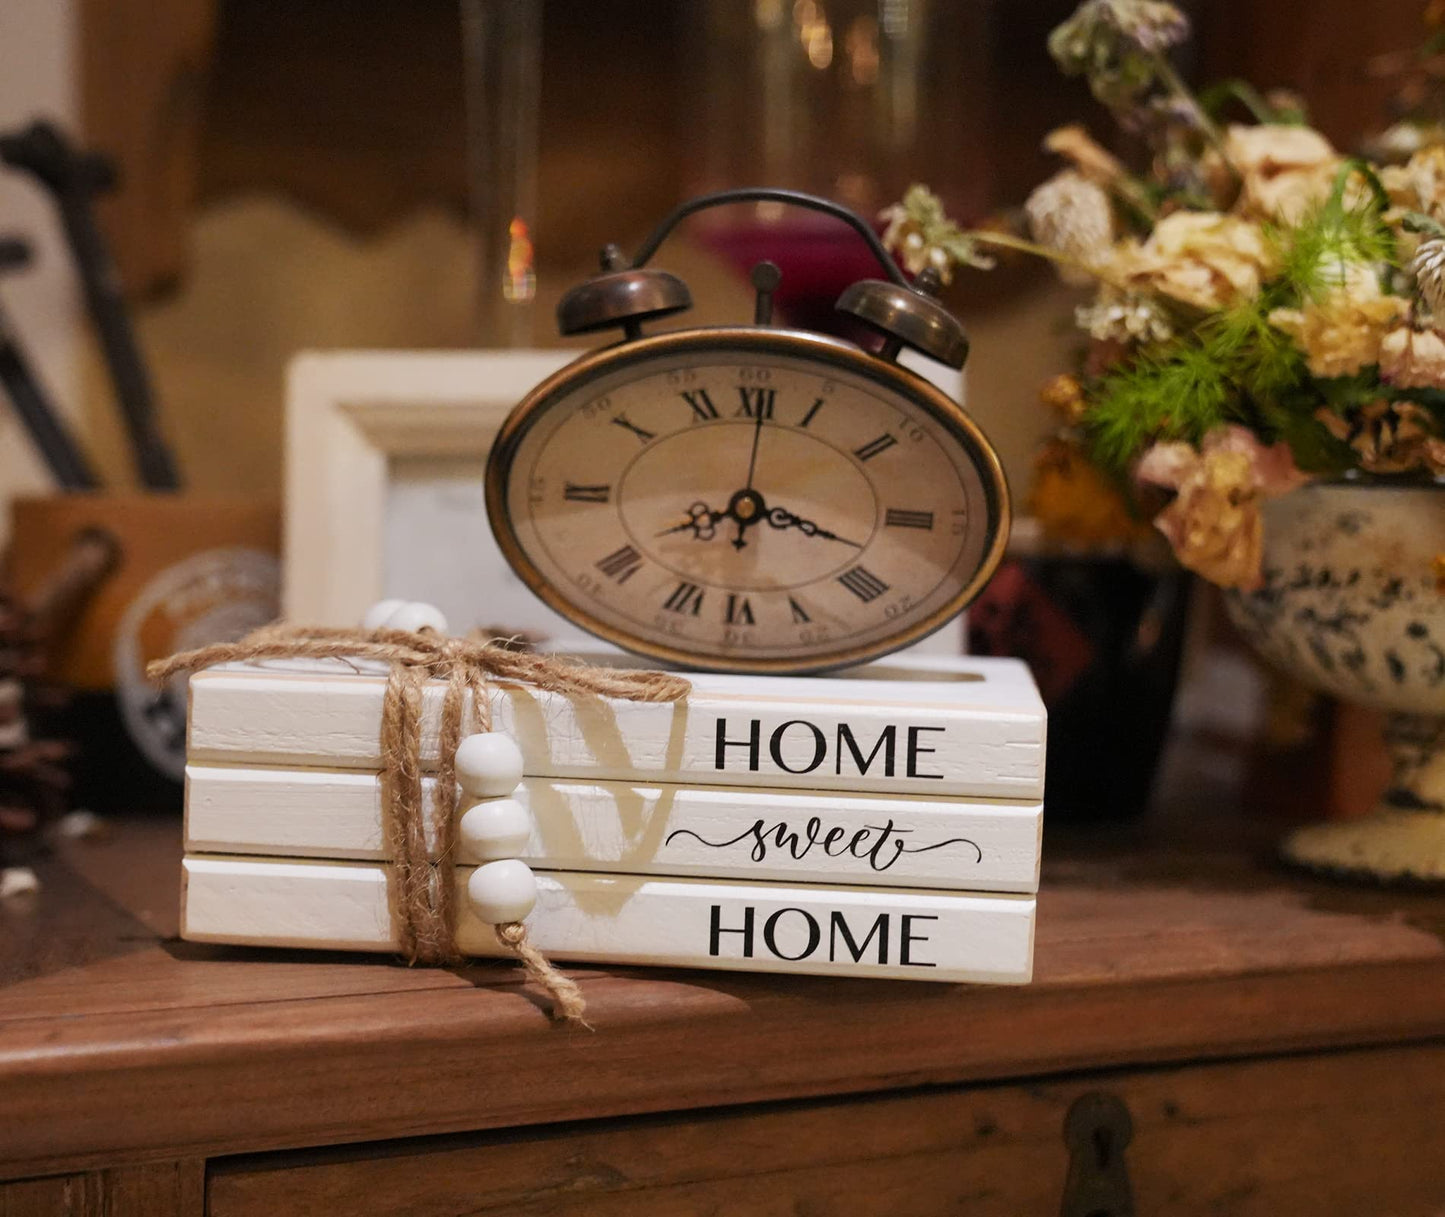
1216, 373
1178, 392
1334, 235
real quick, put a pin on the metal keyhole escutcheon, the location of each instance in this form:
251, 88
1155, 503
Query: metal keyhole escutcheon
1097, 1130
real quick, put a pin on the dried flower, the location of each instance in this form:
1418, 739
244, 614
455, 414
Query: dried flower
1284, 169
1079, 148
1168, 113
1397, 143
1341, 331
921, 234
1073, 502
1286, 105
1126, 318
1115, 44
1389, 436
1106, 355
1413, 359
1214, 523
1071, 214
1064, 394
1200, 257
1428, 268
1418, 184
1153, 25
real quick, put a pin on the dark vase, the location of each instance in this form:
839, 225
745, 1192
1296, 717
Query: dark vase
1104, 639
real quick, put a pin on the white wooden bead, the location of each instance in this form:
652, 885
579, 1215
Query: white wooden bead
498, 828
502, 891
489, 765
415, 615
378, 614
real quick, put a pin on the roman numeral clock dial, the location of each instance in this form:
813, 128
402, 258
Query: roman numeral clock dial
747, 499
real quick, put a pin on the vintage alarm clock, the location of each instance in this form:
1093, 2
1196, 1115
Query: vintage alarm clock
749, 498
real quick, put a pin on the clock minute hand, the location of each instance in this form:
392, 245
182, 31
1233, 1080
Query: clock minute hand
757, 435
780, 517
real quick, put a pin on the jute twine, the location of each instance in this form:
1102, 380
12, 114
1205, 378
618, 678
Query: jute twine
422, 892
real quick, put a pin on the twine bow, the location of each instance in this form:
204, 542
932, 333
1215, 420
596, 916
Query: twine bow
422, 893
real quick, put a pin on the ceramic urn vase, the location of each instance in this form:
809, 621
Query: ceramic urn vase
1353, 604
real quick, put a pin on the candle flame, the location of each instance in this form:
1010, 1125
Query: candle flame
520, 283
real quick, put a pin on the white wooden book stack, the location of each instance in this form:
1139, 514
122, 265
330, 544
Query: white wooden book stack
884, 822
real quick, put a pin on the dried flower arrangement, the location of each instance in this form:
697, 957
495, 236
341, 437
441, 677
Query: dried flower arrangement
1267, 310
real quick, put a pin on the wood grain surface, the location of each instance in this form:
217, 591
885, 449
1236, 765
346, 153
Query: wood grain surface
156, 1189
1176, 940
1316, 1135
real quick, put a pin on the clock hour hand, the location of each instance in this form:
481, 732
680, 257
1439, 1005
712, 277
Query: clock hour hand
780, 517
701, 521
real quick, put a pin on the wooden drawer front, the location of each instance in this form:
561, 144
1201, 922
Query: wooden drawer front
158, 1189
1348, 1133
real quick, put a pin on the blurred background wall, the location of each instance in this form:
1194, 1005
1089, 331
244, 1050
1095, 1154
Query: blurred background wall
38, 74
295, 174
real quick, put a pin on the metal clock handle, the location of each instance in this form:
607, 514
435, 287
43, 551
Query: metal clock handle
771, 194
906, 315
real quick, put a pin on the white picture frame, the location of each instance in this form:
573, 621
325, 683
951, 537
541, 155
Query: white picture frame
354, 421
383, 486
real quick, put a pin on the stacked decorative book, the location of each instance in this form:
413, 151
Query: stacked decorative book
884, 822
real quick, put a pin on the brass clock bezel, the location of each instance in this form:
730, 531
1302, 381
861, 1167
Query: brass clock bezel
734, 339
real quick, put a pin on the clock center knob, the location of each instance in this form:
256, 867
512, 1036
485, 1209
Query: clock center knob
746, 505
684, 505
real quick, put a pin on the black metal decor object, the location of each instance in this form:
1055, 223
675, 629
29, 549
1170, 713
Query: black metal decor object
73, 178
47, 429
1104, 639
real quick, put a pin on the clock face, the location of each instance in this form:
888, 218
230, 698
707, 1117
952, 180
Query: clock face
748, 500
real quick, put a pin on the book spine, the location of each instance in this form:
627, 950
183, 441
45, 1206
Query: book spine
711, 831
936, 751
631, 919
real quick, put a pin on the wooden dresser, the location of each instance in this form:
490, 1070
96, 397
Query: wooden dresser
1278, 1043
